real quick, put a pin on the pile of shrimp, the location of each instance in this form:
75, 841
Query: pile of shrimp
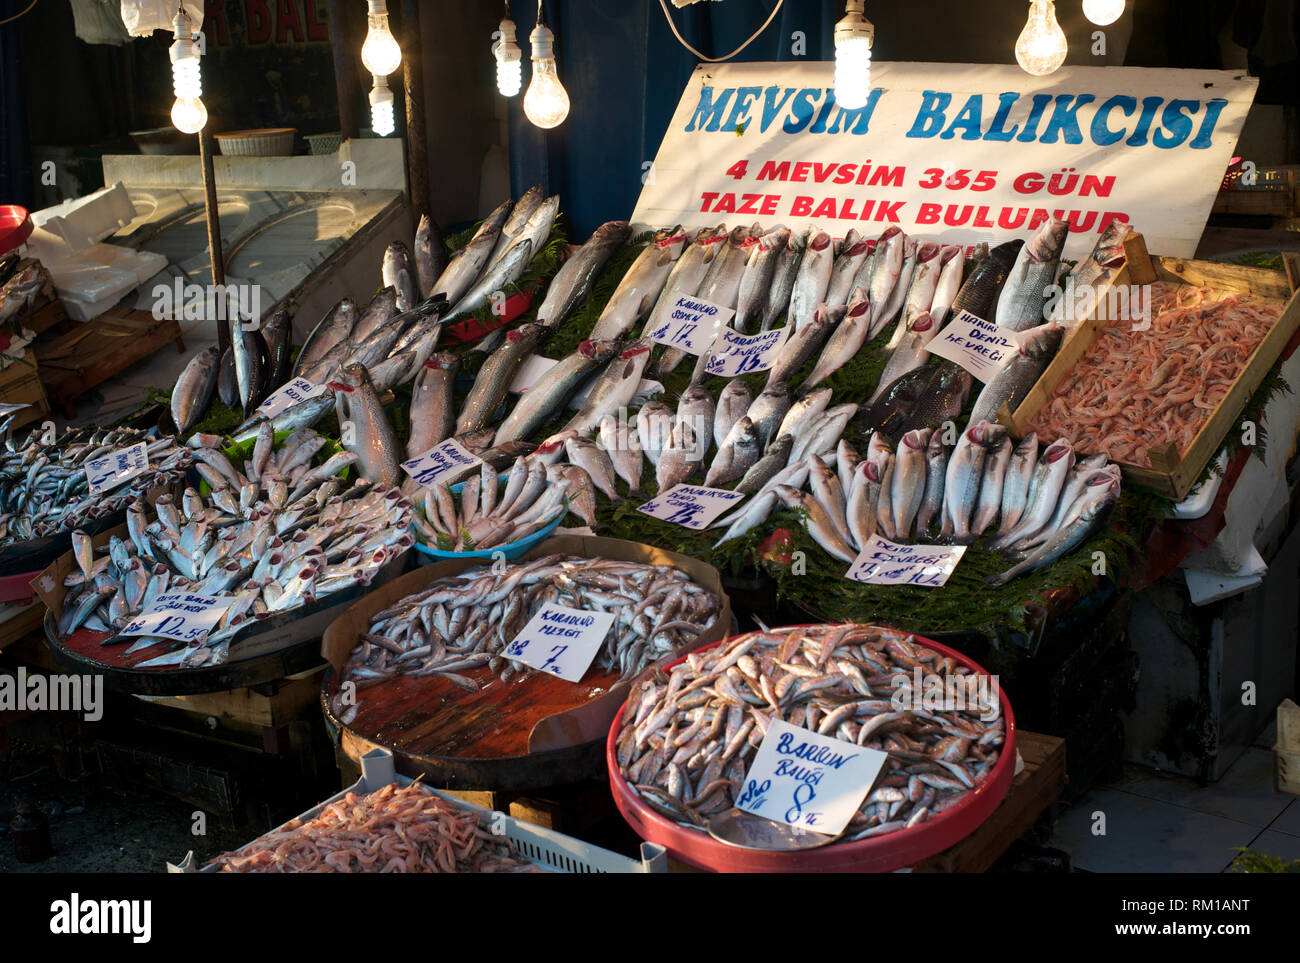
1138, 389
392, 830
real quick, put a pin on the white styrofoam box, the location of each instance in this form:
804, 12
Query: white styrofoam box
1205, 586
88, 288
1200, 499
543, 847
83, 221
143, 264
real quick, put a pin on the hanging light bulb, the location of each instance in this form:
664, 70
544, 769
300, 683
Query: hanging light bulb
1103, 12
547, 102
510, 60
188, 113
1041, 46
381, 107
380, 53
853, 38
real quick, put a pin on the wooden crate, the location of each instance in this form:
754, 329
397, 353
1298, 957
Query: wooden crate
97, 350
21, 382
1173, 474
26, 623
1275, 194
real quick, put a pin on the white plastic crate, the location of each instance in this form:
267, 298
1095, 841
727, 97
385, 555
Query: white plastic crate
82, 221
543, 847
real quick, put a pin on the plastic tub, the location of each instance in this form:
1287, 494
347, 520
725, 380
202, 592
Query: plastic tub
427, 554
15, 227
882, 854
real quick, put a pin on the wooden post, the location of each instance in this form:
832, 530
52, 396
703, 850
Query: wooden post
346, 56
417, 147
216, 255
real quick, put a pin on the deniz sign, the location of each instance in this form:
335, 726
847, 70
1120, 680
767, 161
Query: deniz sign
952, 152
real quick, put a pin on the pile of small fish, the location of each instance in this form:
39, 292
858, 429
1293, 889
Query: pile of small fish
275, 539
534, 495
18, 289
392, 830
1139, 387
688, 736
1046, 506
466, 621
44, 488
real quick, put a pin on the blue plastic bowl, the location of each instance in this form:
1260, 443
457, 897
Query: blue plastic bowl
428, 555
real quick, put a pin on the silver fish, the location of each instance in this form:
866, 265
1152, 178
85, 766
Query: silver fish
1013, 381
696, 408
990, 497
433, 413
381, 309
854, 251
430, 256
736, 455
845, 341
775, 459
573, 281
756, 282
399, 273
654, 426
804, 413
681, 458
467, 263
637, 293
553, 389
370, 437
501, 273
783, 277
614, 387
512, 226
818, 522
1050, 475
812, 280
950, 278
886, 265
620, 441
684, 280
732, 405
1015, 483
799, 347
194, 388
492, 384
864, 496
1027, 289
330, 331
907, 487
936, 467
768, 410
1095, 507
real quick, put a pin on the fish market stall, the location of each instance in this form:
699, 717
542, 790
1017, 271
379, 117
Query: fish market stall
437, 665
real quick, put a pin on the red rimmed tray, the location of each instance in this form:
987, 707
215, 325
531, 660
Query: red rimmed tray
882, 854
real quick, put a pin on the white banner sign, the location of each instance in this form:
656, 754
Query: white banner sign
957, 152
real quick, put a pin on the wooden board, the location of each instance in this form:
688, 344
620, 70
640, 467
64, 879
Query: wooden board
20, 383
1173, 474
1281, 198
101, 348
483, 739
287, 700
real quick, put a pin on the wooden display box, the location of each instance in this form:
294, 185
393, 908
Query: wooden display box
1276, 193
1172, 473
20, 383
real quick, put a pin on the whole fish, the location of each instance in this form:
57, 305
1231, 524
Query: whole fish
512, 226
979, 293
828, 491
907, 487
1095, 506
553, 389
277, 333
1015, 483
811, 281
803, 413
637, 293
818, 522
194, 388
538, 226
492, 384
953, 257
433, 412
249, 354
943, 398
845, 341
895, 403
370, 436
333, 328
430, 256
801, 345
621, 443
1013, 381
721, 284
853, 252
595, 461
936, 467
1050, 475
572, 282
990, 497
910, 353
681, 458
501, 273
864, 496
898, 297
302, 415
399, 274
737, 453
733, 403
886, 266
825, 433
1094, 273
614, 388
756, 282
774, 460
846, 460
965, 472
684, 280
1081, 475
381, 309
379, 345
783, 276
696, 408
767, 411
467, 263
1028, 286
654, 428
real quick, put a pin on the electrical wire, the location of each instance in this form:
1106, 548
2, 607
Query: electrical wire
17, 15
717, 60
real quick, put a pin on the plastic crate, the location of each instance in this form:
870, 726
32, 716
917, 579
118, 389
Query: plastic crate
543, 847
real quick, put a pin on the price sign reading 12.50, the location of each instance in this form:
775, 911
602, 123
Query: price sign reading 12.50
180, 616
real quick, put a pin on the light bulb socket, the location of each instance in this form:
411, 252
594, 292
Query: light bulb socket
380, 93
183, 46
377, 8
542, 43
854, 25
507, 49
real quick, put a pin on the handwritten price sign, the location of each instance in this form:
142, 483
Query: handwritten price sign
737, 354
561, 641
120, 466
691, 506
180, 616
693, 325
295, 392
979, 346
803, 779
445, 461
883, 562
